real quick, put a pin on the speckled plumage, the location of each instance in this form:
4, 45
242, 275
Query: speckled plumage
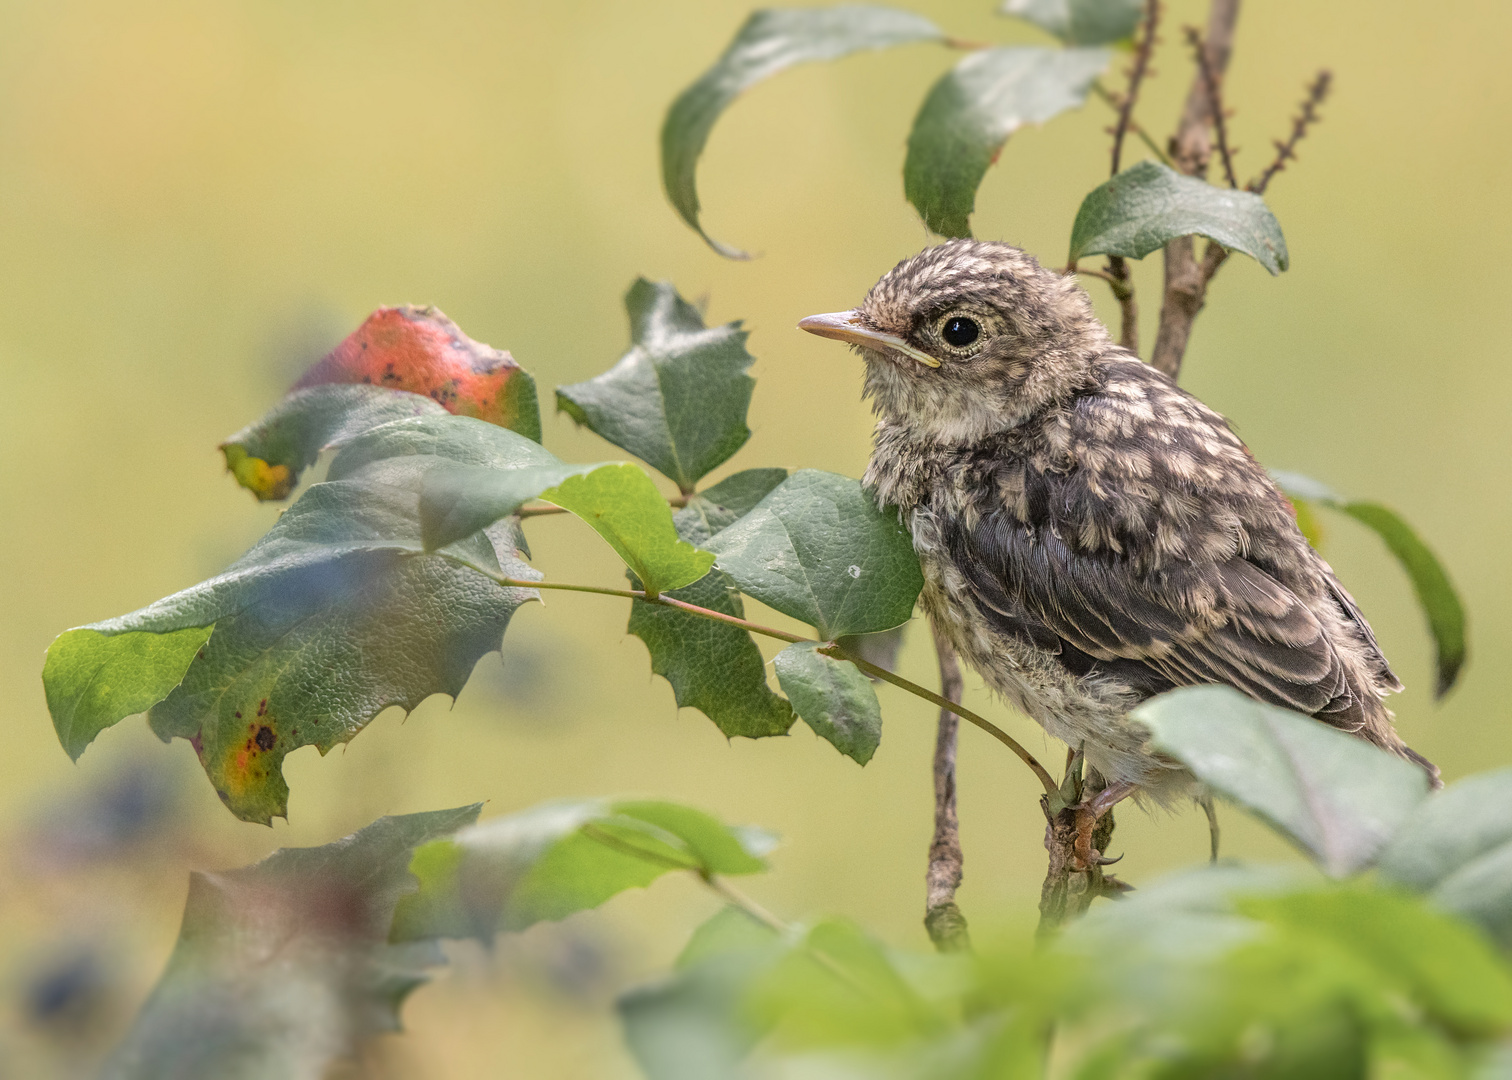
1091, 534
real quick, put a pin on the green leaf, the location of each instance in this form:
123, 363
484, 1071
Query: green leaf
971, 111
678, 399
267, 457
713, 667
833, 697
1457, 848
285, 968
818, 549
1149, 205
1332, 794
720, 506
336, 614
1435, 592
693, 1025
560, 858
769, 42
92, 680
1079, 22
619, 501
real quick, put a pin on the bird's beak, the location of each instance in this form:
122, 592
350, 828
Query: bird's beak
847, 326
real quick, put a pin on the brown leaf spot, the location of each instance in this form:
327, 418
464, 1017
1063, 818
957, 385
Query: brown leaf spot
265, 737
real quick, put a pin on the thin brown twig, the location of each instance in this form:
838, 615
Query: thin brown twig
1115, 104
1210, 79
1286, 151
942, 916
1137, 72
1186, 279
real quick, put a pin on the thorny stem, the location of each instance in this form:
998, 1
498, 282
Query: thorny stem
942, 917
1215, 102
1137, 72
1134, 127
1186, 279
1286, 151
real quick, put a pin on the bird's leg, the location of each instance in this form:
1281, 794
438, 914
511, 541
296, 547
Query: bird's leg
1084, 856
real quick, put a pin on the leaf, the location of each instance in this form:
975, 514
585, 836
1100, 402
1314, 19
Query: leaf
693, 1025
1147, 206
818, 549
720, 506
420, 350
1080, 22
713, 667
1334, 795
619, 501
833, 697
678, 399
881, 648
971, 111
284, 968
92, 681
1457, 848
267, 457
404, 361
770, 41
560, 858
1435, 592
336, 614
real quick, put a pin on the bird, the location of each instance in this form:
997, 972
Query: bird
1090, 534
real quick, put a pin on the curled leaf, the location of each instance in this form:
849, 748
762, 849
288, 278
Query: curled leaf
971, 111
1079, 22
1147, 206
770, 41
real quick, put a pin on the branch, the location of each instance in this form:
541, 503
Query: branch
942, 918
1137, 72
1286, 151
830, 649
1215, 102
1114, 103
1186, 279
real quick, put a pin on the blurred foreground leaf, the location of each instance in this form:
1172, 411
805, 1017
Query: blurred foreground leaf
769, 42
678, 399
1079, 22
1332, 794
1147, 206
818, 549
284, 969
1457, 848
553, 860
833, 698
971, 111
1435, 593
336, 614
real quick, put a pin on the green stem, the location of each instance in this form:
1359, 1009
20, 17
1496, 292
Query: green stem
734, 896
781, 635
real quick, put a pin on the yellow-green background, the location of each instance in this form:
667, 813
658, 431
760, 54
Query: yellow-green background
196, 199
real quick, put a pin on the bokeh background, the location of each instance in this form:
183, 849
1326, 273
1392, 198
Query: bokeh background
197, 199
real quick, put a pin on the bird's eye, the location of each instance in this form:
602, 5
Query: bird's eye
960, 331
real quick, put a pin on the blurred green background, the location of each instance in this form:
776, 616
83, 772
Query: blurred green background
198, 199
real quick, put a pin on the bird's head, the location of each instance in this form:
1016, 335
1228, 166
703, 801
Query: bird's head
969, 338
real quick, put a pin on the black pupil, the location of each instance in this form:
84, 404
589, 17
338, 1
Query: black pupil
961, 332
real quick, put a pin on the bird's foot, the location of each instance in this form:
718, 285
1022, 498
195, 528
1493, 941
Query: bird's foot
1086, 815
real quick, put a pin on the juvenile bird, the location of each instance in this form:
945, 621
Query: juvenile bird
1091, 534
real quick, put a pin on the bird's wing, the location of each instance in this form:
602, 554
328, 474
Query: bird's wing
1223, 621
